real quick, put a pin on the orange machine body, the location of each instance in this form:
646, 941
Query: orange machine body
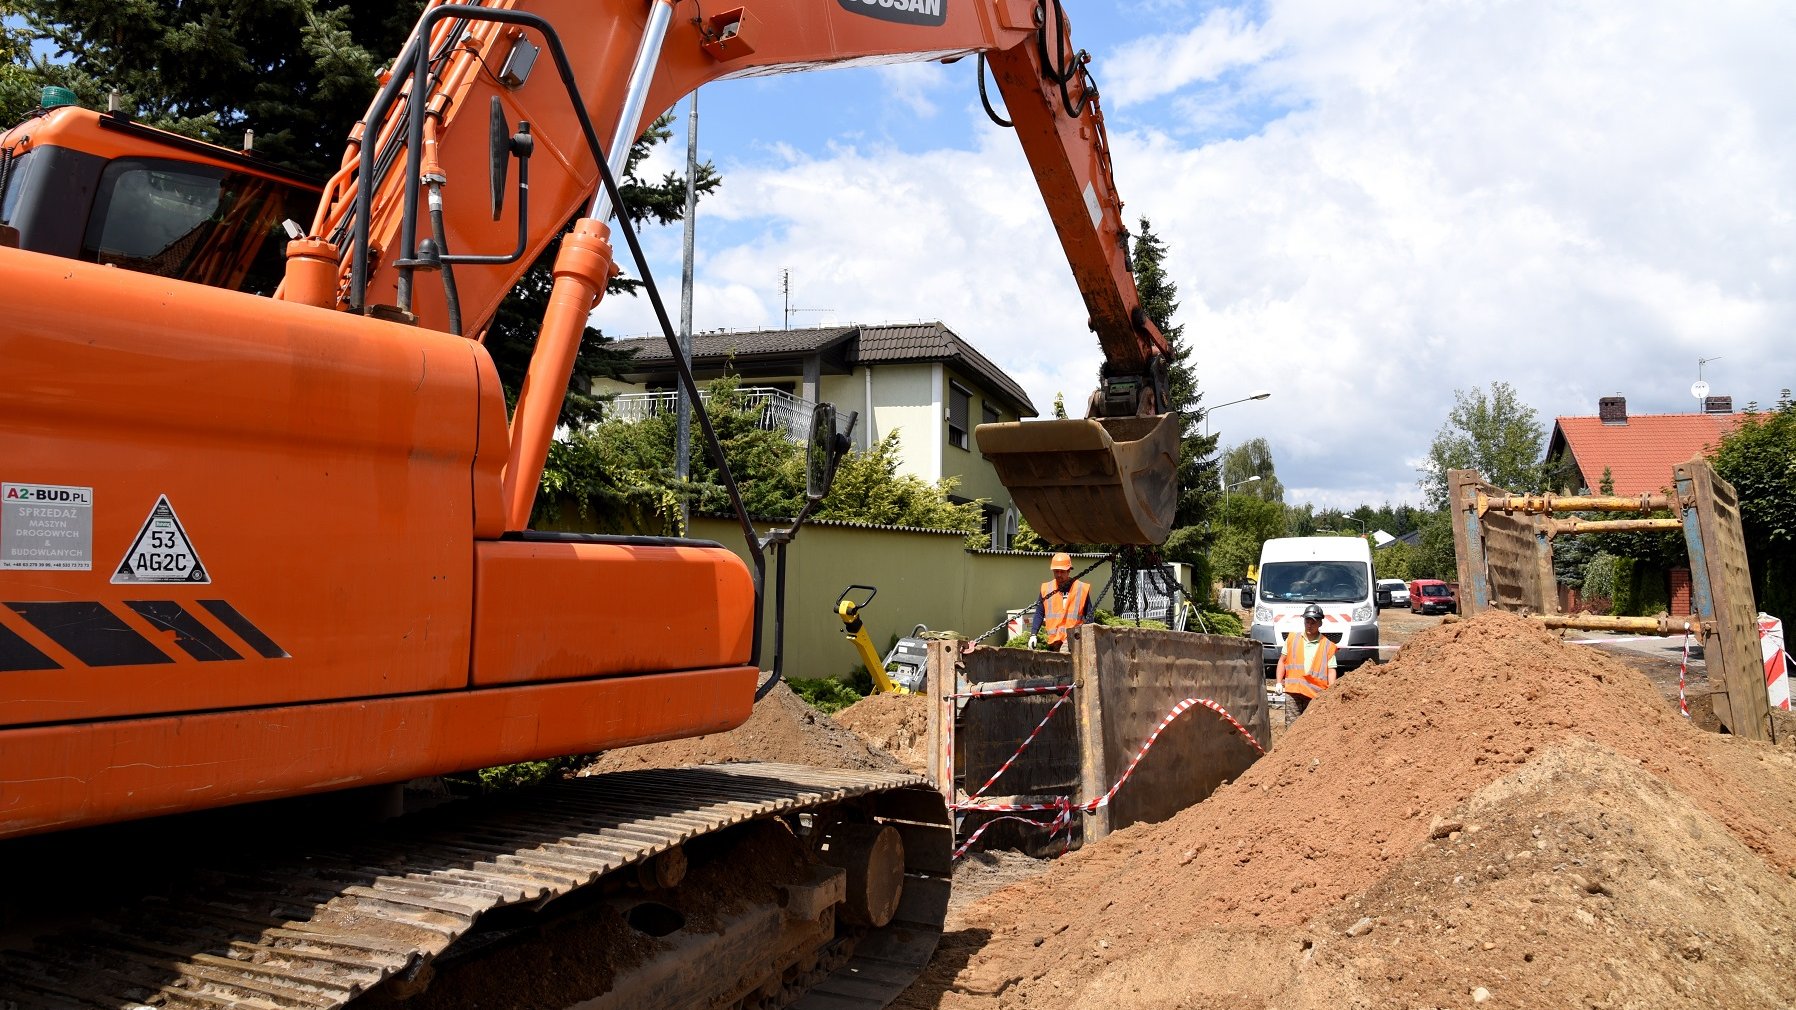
253, 548
333, 602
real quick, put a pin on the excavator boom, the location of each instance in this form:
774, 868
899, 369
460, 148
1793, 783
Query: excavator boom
369, 246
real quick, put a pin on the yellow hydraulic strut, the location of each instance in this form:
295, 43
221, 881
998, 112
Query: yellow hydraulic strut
850, 613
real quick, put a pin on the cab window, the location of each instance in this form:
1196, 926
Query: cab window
194, 222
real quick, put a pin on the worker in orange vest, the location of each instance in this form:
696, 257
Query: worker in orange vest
1064, 604
1307, 666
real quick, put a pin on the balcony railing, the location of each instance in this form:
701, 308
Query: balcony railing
779, 411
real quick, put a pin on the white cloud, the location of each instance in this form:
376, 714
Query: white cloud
913, 86
1576, 199
1226, 39
1571, 200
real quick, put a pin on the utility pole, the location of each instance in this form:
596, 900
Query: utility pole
683, 405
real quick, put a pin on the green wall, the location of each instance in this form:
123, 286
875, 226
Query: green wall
922, 577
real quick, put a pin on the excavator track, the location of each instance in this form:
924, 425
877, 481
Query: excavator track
388, 919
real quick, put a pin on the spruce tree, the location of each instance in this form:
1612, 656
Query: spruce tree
1197, 467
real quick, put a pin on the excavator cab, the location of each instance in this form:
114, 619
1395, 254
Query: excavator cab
102, 188
1101, 480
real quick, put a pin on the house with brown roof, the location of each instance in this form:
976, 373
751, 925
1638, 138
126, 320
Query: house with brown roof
1639, 451
922, 380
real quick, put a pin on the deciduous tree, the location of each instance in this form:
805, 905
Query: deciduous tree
1252, 458
1493, 433
1759, 460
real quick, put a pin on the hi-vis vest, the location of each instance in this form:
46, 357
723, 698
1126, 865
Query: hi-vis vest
1298, 680
1060, 611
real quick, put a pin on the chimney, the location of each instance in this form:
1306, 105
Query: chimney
1612, 409
1717, 404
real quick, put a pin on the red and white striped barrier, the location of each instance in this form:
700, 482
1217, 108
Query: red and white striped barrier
1063, 808
1684, 671
1777, 661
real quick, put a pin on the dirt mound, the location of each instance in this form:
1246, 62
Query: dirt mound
782, 728
895, 723
1208, 906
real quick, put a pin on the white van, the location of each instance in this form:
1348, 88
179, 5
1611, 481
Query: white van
1334, 572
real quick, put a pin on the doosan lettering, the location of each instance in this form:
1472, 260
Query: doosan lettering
933, 8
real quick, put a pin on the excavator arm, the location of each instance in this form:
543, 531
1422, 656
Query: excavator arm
429, 139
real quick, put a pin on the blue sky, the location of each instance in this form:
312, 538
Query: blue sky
1366, 206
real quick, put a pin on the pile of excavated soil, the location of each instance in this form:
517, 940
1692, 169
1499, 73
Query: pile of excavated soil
895, 723
782, 728
1506, 811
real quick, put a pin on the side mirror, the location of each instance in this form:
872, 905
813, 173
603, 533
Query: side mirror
498, 152
824, 451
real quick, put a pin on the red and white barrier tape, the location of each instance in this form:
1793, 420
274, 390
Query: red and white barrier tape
1064, 808
1063, 820
1683, 671
1066, 691
1012, 692
1177, 710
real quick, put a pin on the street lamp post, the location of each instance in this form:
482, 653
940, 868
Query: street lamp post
1261, 395
1225, 499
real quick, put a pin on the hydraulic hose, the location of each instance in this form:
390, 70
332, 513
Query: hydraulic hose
451, 297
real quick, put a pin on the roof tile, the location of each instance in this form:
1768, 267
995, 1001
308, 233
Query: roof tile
1642, 453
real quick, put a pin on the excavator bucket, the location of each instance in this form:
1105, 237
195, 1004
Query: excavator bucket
1107, 480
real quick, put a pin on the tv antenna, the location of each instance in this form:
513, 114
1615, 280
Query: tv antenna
1699, 388
786, 293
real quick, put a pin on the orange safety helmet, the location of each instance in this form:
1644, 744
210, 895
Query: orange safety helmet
1063, 562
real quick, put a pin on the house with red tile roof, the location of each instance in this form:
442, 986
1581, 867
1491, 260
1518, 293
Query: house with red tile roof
1638, 451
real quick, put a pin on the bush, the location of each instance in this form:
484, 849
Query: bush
1624, 588
1649, 593
1599, 577
1216, 622
826, 694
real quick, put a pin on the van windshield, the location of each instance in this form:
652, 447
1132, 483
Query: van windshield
1314, 581
1435, 590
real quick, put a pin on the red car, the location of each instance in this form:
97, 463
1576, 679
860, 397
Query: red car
1431, 596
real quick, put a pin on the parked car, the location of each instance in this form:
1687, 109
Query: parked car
1393, 593
1431, 596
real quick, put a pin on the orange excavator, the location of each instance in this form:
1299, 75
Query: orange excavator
256, 548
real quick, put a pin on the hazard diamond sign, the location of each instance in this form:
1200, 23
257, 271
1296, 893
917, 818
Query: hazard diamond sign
162, 552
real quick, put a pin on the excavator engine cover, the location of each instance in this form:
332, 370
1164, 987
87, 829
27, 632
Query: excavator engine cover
1102, 480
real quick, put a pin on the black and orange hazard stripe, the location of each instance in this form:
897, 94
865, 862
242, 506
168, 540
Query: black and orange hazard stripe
97, 636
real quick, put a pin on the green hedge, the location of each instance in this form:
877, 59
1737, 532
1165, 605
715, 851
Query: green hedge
1640, 589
